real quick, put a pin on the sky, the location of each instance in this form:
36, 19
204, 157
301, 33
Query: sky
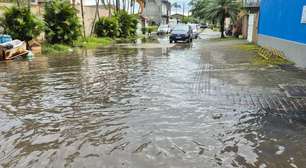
180, 2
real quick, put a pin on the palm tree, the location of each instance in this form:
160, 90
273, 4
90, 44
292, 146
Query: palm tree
176, 6
199, 8
219, 10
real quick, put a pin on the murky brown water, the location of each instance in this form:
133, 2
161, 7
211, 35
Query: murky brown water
186, 106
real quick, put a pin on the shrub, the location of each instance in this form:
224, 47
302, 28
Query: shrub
62, 22
55, 49
152, 29
107, 27
21, 24
127, 24
144, 30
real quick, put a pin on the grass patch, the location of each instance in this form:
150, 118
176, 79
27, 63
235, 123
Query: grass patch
131, 39
266, 59
248, 47
224, 39
53, 49
93, 42
258, 60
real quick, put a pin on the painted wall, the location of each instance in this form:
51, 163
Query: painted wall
282, 19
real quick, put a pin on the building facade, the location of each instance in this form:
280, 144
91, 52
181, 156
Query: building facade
282, 25
157, 11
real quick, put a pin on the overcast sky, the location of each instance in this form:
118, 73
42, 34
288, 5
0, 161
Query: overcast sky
180, 2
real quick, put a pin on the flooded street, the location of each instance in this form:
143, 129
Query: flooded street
184, 106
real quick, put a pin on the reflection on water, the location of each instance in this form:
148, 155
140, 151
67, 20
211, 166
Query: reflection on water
125, 107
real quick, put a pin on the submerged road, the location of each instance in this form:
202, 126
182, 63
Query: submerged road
183, 106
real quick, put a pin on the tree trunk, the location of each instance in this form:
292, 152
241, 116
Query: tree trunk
95, 18
222, 26
109, 8
133, 6
18, 3
83, 21
128, 6
29, 4
117, 5
123, 4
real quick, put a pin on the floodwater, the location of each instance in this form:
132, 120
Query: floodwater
199, 106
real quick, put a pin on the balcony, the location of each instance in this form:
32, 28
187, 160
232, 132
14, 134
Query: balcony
251, 3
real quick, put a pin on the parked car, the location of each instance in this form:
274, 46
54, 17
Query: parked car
163, 29
181, 32
203, 26
195, 31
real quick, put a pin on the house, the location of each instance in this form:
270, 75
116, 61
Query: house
157, 11
250, 20
282, 25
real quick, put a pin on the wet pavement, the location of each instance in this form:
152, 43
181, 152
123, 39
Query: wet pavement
201, 106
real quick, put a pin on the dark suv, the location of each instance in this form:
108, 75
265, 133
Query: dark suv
181, 32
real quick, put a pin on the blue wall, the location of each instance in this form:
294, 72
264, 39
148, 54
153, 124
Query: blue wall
282, 19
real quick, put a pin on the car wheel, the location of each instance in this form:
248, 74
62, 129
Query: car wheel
171, 41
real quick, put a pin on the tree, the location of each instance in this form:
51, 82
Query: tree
199, 9
176, 6
62, 22
21, 24
219, 10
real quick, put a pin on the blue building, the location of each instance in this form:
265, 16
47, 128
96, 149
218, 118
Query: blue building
282, 25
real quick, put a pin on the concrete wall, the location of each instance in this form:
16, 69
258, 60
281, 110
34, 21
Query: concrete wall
89, 16
294, 51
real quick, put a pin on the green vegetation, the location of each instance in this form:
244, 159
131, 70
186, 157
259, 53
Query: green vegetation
224, 39
189, 19
93, 42
127, 24
21, 24
264, 56
248, 47
258, 60
62, 22
151, 29
107, 27
63, 28
54, 49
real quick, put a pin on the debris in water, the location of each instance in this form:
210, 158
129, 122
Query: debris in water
280, 151
217, 116
141, 147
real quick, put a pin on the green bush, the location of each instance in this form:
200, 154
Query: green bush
21, 24
127, 24
152, 29
144, 30
55, 49
62, 22
107, 27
